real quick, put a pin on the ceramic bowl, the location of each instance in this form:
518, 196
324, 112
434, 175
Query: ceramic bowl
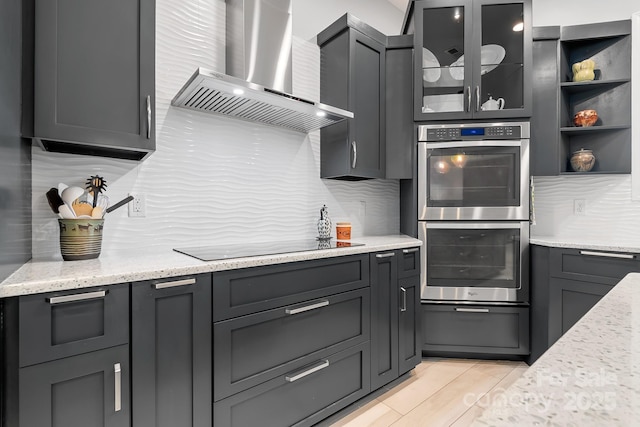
585, 118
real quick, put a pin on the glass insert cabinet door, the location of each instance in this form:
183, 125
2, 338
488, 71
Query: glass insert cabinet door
472, 58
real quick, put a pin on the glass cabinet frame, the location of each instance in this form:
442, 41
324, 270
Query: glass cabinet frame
471, 92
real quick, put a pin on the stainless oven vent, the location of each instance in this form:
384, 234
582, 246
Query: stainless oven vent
212, 92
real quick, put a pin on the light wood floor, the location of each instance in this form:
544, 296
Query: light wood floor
438, 392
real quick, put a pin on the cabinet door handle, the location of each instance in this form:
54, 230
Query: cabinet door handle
607, 255
385, 255
404, 299
174, 283
410, 250
306, 307
296, 376
354, 148
76, 297
472, 310
148, 116
468, 99
118, 387
478, 98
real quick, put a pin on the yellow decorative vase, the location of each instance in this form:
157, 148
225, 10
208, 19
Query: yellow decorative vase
584, 71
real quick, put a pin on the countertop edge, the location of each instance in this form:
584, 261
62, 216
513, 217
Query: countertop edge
554, 242
55, 275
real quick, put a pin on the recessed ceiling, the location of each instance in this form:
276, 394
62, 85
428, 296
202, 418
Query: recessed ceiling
400, 4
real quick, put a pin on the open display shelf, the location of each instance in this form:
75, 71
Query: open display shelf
609, 46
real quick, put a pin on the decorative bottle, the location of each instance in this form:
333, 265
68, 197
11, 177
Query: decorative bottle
324, 224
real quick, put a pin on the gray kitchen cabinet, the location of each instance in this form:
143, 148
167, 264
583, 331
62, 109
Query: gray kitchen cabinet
86, 390
94, 77
482, 330
400, 136
468, 53
566, 284
609, 45
301, 397
296, 332
171, 325
352, 76
569, 300
67, 358
545, 120
395, 312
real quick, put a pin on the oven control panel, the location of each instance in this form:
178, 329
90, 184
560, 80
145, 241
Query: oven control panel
472, 133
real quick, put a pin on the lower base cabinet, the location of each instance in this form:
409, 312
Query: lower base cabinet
171, 327
90, 389
453, 329
395, 324
569, 301
565, 284
302, 397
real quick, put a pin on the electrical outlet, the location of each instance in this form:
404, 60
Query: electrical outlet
579, 207
137, 207
362, 208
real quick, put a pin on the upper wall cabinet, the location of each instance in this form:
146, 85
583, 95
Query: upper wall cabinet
352, 76
94, 77
473, 59
606, 88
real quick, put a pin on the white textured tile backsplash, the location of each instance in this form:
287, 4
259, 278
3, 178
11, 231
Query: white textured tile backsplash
212, 179
611, 215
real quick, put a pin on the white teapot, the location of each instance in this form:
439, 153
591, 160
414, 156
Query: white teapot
493, 104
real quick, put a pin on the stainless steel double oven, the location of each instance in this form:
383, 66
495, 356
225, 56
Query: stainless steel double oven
473, 212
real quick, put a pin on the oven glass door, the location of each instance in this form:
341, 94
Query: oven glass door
473, 176
480, 180
474, 261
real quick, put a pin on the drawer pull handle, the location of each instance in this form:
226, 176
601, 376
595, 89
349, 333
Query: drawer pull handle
410, 251
76, 297
295, 377
404, 299
306, 307
472, 310
385, 255
607, 255
118, 387
175, 283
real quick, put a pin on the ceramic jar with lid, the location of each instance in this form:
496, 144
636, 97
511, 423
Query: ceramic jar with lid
582, 160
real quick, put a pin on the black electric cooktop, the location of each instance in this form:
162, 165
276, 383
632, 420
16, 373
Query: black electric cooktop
214, 253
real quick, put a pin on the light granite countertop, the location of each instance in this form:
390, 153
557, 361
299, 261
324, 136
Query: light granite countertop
589, 377
38, 276
598, 245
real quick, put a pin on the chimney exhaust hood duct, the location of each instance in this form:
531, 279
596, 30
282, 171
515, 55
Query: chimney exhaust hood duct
257, 85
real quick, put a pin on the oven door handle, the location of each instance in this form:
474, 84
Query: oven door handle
477, 225
471, 144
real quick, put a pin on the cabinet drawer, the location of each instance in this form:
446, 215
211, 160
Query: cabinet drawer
61, 324
296, 399
240, 292
409, 262
592, 265
475, 329
253, 349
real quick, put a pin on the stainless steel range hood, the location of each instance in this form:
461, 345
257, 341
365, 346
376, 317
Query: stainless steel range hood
257, 85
